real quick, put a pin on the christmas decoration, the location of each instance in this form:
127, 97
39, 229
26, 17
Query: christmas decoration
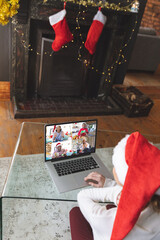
105, 4
137, 165
95, 31
7, 10
62, 32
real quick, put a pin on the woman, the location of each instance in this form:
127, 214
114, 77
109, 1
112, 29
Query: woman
58, 134
59, 151
136, 195
85, 145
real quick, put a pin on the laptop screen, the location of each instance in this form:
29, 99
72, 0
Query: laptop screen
66, 140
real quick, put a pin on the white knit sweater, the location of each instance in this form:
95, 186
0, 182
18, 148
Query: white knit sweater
101, 220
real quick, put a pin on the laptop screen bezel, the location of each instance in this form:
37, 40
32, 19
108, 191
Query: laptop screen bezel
69, 157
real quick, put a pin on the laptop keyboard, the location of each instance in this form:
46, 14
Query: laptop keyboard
74, 166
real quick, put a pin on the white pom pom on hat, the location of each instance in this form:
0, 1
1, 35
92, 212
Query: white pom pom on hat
118, 159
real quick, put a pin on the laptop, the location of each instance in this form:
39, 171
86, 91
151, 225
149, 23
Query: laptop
70, 153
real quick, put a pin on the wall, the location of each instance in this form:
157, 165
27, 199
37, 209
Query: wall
151, 17
4, 52
5, 44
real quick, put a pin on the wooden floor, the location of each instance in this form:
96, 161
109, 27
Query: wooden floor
147, 83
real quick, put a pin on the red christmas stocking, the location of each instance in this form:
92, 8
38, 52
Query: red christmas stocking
62, 32
95, 31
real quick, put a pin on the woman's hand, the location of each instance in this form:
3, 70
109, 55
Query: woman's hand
95, 179
62, 134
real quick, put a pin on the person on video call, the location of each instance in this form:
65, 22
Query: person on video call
83, 131
85, 145
59, 151
58, 134
135, 193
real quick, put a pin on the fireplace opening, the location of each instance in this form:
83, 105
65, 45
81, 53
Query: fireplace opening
60, 73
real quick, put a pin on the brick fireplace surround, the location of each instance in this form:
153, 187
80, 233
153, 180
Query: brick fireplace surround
151, 17
119, 26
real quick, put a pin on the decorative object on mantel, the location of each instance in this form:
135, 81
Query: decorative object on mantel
132, 101
95, 31
8, 8
62, 32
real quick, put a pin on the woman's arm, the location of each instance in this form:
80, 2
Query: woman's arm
62, 134
87, 130
97, 215
95, 195
89, 199
54, 136
79, 133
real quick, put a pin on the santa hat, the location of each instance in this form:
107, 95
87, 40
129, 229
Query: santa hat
58, 144
137, 165
95, 31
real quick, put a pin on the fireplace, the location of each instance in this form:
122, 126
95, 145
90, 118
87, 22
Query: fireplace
71, 77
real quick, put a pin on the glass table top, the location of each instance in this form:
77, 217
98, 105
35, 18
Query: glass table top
28, 176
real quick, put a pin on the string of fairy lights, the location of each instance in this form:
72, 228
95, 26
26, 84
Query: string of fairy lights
103, 4
120, 56
107, 73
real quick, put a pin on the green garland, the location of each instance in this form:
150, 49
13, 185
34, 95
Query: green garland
107, 5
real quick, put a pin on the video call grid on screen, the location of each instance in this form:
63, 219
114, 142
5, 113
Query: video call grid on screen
67, 140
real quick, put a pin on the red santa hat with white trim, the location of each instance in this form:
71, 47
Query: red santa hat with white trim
59, 144
137, 165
